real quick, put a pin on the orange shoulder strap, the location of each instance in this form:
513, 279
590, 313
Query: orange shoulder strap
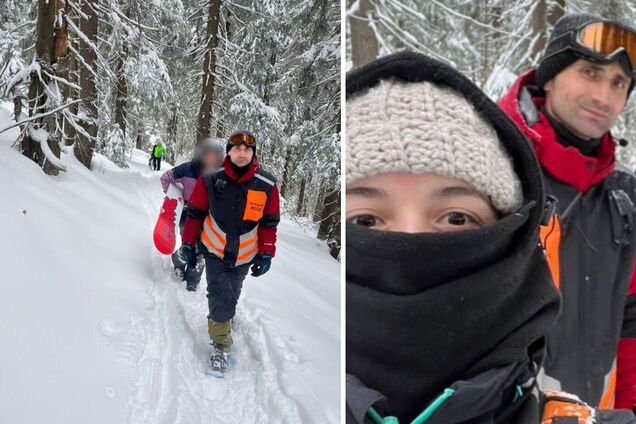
550, 237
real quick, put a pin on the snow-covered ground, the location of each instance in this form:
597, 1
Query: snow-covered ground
95, 329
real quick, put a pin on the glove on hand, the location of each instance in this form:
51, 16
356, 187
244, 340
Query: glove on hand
188, 254
261, 264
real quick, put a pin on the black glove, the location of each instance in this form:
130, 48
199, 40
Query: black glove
188, 254
261, 264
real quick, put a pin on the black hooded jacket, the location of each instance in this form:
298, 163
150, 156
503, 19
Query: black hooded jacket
450, 327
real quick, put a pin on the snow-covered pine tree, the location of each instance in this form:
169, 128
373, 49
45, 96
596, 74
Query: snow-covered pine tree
490, 41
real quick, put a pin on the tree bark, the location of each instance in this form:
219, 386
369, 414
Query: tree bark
301, 198
329, 228
50, 45
544, 17
84, 146
284, 186
121, 91
364, 45
318, 207
209, 64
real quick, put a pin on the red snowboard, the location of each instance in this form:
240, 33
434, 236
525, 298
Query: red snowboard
165, 236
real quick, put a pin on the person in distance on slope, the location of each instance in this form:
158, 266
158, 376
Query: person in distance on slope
157, 153
238, 208
208, 157
448, 294
567, 107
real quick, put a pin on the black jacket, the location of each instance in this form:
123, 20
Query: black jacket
590, 244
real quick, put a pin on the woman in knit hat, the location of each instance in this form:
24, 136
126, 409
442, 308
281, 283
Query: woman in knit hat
449, 296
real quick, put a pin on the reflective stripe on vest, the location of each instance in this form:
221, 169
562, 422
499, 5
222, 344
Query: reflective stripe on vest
550, 237
608, 398
248, 247
213, 238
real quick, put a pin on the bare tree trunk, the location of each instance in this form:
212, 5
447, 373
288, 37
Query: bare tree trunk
301, 198
172, 136
50, 44
139, 141
121, 91
209, 63
544, 17
319, 200
73, 77
88, 25
284, 185
364, 45
329, 228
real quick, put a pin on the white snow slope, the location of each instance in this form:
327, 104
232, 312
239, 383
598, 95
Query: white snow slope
95, 329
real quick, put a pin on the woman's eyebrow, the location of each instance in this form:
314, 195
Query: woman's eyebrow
458, 191
366, 192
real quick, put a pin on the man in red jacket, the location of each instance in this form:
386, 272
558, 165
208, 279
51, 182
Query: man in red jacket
566, 107
232, 217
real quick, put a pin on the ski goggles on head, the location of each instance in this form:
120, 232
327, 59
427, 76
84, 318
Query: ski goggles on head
602, 41
242, 138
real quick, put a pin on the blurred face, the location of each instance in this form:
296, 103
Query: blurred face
587, 97
423, 203
211, 160
241, 155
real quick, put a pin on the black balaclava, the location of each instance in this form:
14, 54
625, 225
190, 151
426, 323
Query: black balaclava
425, 310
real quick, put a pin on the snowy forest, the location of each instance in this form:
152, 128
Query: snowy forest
490, 41
110, 76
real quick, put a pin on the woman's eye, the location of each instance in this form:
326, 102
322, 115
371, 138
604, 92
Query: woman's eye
458, 218
364, 220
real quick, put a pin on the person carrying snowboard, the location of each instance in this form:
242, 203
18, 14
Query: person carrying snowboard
232, 217
157, 153
449, 296
208, 157
567, 107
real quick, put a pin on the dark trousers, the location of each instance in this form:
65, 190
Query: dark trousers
156, 163
224, 287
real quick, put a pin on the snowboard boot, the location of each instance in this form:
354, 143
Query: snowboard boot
219, 360
221, 341
179, 265
192, 274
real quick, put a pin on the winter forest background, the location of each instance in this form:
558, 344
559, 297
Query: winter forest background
490, 41
109, 76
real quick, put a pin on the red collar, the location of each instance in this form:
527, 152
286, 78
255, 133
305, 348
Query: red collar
229, 170
566, 164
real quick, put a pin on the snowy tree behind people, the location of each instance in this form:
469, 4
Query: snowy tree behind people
183, 70
491, 41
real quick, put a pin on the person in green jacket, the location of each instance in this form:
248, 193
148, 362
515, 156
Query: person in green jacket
157, 153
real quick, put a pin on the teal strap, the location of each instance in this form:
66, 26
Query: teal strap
420, 419
378, 418
426, 414
518, 394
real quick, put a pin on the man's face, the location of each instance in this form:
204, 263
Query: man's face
241, 155
587, 97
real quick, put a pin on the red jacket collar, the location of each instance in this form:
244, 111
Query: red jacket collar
566, 164
229, 170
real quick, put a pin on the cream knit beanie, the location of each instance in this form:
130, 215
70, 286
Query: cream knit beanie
421, 127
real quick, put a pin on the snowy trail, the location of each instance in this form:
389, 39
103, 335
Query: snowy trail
167, 352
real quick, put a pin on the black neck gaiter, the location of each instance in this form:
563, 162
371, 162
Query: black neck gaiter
240, 170
425, 310
567, 138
